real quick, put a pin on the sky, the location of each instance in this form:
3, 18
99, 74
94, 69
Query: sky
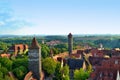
56, 17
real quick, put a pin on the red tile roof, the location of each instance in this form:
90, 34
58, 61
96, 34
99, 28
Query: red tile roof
5, 55
34, 44
107, 70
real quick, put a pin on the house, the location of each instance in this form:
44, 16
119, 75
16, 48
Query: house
53, 43
5, 55
75, 64
107, 70
18, 48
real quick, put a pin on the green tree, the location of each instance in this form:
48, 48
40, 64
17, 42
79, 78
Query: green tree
3, 70
20, 72
61, 47
58, 73
20, 62
8, 78
65, 72
1, 75
61, 73
55, 51
45, 51
81, 74
6, 63
49, 65
3, 45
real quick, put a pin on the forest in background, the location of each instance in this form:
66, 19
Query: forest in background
108, 41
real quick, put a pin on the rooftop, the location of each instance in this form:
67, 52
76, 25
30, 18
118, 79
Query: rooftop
34, 44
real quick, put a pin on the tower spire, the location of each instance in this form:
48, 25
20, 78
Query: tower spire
34, 44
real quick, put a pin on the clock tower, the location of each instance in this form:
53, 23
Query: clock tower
34, 57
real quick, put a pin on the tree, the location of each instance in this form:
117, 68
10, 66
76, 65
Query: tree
20, 62
1, 75
20, 72
81, 74
3, 71
45, 51
65, 72
55, 50
3, 46
7, 63
8, 78
61, 73
58, 73
49, 65
62, 47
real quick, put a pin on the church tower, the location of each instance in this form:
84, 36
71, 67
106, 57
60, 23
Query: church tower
34, 55
70, 43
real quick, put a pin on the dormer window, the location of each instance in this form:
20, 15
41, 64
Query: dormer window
116, 61
101, 74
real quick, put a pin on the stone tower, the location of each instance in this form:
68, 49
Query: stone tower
70, 43
34, 55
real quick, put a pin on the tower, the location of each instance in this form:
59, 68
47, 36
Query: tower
34, 55
70, 43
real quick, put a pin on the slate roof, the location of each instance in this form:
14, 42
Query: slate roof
70, 35
75, 63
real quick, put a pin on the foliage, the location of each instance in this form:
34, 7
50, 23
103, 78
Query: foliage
20, 61
18, 66
1, 74
55, 51
61, 73
65, 72
58, 74
4, 46
81, 74
45, 51
6, 63
92, 40
62, 47
20, 72
3, 71
8, 78
49, 65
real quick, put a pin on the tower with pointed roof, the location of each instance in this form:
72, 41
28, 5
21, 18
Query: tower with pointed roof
34, 63
70, 43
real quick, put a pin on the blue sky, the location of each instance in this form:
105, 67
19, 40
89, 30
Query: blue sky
26, 17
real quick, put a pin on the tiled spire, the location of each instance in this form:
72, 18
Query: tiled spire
34, 44
70, 35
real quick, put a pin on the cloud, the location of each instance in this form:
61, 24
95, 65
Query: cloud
8, 21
